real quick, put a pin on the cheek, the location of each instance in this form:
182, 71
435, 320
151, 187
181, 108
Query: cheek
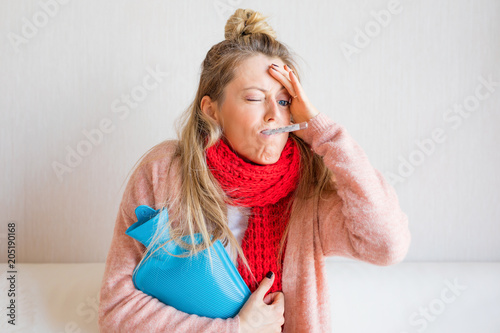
244, 121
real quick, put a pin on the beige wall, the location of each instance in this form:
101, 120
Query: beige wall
65, 69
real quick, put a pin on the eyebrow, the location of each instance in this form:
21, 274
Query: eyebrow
262, 89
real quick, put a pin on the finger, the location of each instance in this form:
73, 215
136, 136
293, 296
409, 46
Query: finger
273, 298
264, 287
277, 296
277, 73
279, 302
269, 298
297, 87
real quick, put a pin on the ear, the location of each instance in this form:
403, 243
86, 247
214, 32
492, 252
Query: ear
209, 108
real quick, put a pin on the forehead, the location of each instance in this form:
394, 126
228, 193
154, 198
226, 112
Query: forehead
255, 71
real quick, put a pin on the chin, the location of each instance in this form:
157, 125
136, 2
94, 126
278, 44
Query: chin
261, 161
270, 160
270, 156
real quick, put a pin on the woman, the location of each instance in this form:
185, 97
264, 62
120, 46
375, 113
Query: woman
279, 203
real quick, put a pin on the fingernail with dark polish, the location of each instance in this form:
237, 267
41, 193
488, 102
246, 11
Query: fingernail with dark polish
269, 274
275, 65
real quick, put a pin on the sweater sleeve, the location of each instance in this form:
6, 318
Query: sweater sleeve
122, 307
363, 220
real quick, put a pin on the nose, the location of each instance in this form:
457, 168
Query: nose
272, 112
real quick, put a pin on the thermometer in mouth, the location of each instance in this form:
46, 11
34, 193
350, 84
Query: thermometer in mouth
289, 128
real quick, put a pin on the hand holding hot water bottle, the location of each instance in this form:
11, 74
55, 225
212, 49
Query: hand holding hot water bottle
188, 284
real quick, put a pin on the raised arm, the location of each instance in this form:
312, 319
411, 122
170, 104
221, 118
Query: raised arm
363, 220
122, 307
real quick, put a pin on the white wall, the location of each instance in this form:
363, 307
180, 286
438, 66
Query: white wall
65, 77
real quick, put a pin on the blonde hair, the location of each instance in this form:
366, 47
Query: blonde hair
201, 204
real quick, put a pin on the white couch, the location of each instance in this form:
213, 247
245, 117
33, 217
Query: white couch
408, 297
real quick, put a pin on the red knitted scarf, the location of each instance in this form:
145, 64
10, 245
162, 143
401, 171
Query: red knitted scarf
267, 189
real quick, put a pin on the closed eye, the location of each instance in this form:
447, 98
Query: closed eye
287, 102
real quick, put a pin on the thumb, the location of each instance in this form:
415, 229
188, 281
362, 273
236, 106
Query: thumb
265, 285
269, 298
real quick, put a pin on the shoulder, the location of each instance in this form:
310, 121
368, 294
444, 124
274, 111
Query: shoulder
160, 156
159, 167
163, 151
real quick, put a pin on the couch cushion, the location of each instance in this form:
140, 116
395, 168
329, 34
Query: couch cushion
414, 297
407, 297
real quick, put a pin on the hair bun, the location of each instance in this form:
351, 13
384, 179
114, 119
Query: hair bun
247, 22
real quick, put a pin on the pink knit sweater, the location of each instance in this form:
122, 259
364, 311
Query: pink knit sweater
363, 221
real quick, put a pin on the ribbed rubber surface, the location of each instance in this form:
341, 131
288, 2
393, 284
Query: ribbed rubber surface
188, 284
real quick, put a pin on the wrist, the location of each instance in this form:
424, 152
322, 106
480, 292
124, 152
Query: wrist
242, 327
305, 117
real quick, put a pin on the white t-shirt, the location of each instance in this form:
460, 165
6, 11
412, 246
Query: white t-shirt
238, 223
